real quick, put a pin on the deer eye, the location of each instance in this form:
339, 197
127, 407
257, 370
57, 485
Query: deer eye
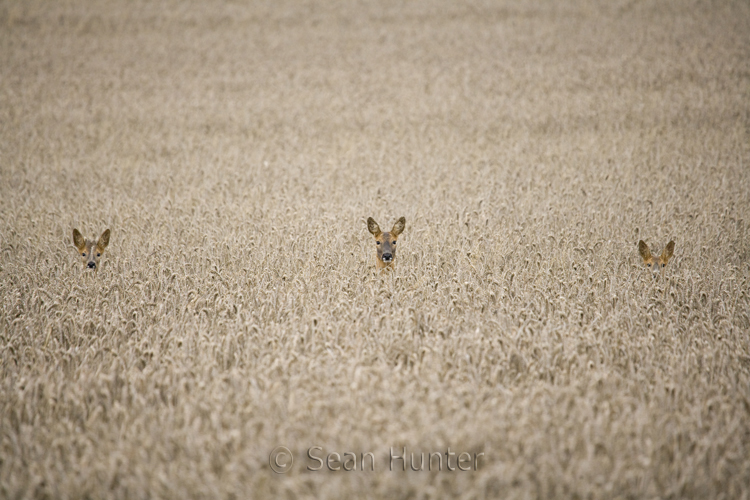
649, 265
377, 243
83, 254
663, 265
393, 243
98, 254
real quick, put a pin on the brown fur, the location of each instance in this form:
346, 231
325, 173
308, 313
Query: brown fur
385, 243
90, 250
650, 260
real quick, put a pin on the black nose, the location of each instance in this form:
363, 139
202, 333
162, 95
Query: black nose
387, 257
92, 265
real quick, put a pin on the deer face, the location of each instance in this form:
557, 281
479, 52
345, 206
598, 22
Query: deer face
385, 243
652, 261
90, 251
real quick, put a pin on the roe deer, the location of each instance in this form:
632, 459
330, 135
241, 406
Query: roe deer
385, 242
653, 262
90, 250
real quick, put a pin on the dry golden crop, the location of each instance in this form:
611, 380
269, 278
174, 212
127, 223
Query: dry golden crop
236, 150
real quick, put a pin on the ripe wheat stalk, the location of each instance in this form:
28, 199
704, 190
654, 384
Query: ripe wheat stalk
236, 152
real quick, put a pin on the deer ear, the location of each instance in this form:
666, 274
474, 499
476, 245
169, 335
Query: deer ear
399, 226
668, 252
103, 240
644, 250
78, 240
373, 227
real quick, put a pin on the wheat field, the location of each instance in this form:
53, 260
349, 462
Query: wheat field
236, 149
